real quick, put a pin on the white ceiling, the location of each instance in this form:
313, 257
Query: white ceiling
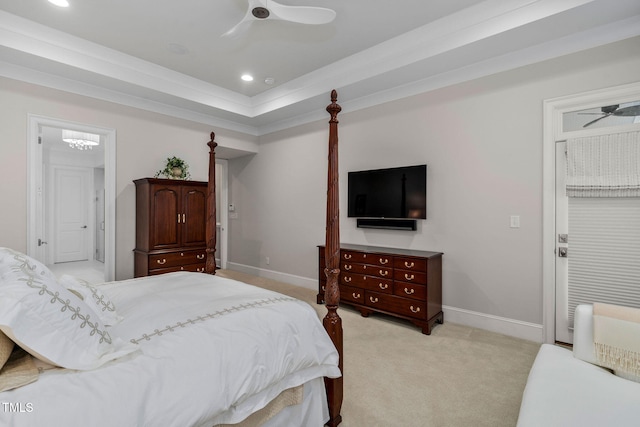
375, 51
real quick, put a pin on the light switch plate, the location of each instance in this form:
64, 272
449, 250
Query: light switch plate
515, 221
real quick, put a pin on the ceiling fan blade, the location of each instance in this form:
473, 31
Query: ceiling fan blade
632, 110
598, 119
301, 14
240, 26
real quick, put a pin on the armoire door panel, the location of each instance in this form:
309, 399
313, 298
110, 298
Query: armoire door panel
165, 210
194, 219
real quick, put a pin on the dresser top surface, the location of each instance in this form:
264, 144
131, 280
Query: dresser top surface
385, 250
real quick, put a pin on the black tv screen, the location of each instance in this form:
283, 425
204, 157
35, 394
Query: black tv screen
394, 193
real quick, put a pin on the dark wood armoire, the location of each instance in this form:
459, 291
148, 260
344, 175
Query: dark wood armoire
170, 226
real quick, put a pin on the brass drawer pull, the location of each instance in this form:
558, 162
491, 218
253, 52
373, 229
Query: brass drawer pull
348, 267
183, 220
347, 256
200, 256
347, 279
373, 300
178, 218
324, 288
409, 264
415, 310
181, 268
383, 286
200, 270
384, 261
409, 291
384, 273
161, 262
409, 276
356, 296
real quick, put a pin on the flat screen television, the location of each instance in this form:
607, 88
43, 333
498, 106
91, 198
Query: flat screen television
393, 193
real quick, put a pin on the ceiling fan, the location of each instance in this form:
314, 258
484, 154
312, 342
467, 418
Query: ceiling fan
268, 9
615, 110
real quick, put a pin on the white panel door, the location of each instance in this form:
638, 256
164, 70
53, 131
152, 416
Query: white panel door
71, 217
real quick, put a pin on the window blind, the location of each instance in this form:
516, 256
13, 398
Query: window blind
604, 252
604, 166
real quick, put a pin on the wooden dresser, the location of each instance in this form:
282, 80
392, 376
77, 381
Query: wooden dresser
170, 226
402, 283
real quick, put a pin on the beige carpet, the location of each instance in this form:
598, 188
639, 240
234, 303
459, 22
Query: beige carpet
394, 376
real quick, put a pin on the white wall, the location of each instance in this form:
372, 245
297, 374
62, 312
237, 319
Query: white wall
482, 142
144, 141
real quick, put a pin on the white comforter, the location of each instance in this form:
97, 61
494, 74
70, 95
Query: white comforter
212, 350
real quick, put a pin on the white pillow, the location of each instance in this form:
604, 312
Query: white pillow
49, 321
93, 297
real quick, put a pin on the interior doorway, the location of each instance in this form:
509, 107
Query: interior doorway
71, 200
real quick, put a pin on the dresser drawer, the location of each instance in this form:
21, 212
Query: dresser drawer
351, 256
349, 293
173, 259
380, 260
377, 284
410, 276
366, 282
371, 270
394, 304
413, 264
198, 268
410, 290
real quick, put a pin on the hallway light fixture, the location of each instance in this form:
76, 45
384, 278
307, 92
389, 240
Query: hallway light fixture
80, 140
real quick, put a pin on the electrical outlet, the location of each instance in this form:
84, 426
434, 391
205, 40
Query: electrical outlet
267, 260
515, 221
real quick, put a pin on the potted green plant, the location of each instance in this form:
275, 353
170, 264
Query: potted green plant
175, 168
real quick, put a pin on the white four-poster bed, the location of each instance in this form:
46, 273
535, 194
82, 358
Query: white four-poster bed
179, 349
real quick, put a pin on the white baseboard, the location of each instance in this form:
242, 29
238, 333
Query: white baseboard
303, 282
501, 325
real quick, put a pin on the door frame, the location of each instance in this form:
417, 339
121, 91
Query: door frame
552, 132
222, 222
35, 179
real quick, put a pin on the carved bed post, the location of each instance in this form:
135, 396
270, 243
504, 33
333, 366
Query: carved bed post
332, 321
210, 266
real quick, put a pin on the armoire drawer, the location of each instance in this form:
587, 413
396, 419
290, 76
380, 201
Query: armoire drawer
198, 268
178, 258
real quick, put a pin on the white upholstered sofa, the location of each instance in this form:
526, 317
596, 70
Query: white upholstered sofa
567, 389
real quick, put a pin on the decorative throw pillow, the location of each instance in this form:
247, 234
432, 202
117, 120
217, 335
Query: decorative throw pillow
93, 297
6, 347
49, 321
19, 370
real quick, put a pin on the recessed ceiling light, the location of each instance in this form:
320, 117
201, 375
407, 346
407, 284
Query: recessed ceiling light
60, 3
177, 48
247, 77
